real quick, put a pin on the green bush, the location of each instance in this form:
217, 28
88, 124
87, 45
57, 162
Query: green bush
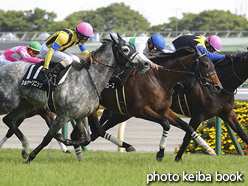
207, 131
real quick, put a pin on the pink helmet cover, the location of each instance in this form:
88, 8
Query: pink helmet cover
85, 29
215, 42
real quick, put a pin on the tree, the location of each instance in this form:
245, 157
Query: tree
14, 21
209, 20
31, 20
40, 19
115, 17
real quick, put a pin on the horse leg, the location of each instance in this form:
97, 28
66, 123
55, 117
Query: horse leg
74, 136
162, 146
17, 116
10, 132
49, 117
148, 114
108, 120
105, 116
77, 134
97, 130
57, 124
115, 118
190, 132
231, 119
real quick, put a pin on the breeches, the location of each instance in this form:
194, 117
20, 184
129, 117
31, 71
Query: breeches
4, 61
58, 56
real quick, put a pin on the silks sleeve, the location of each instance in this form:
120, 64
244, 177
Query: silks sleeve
55, 46
213, 57
84, 50
48, 57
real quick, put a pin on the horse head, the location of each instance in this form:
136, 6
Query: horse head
206, 72
126, 55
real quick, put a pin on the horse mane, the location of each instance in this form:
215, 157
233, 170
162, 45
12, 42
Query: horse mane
105, 42
184, 51
179, 52
241, 56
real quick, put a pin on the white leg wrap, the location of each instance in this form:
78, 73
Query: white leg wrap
78, 152
113, 139
2, 141
63, 147
163, 140
201, 142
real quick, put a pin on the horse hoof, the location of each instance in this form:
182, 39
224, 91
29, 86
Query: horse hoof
178, 159
159, 157
80, 157
130, 149
211, 152
24, 154
67, 152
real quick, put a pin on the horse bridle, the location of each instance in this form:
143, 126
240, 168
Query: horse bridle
201, 77
92, 58
116, 54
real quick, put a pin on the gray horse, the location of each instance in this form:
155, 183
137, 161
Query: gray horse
75, 99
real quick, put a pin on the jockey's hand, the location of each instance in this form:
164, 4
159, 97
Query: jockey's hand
231, 57
45, 71
155, 66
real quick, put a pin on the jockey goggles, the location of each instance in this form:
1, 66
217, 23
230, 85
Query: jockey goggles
35, 52
82, 37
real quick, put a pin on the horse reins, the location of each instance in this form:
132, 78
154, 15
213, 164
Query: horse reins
93, 57
235, 74
171, 70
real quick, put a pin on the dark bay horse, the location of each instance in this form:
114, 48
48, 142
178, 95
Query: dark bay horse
149, 95
75, 99
203, 105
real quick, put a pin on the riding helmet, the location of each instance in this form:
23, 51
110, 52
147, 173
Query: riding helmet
215, 42
85, 29
158, 41
34, 45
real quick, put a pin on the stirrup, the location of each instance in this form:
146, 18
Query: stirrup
50, 82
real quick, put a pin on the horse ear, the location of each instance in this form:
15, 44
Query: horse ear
197, 51
119, 37
113, 38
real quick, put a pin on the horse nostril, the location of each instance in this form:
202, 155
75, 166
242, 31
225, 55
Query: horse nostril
218, 88
146, 64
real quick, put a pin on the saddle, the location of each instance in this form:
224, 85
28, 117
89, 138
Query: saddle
34, 78
180, 92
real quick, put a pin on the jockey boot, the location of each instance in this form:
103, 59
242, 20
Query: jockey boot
55, 71
51, 76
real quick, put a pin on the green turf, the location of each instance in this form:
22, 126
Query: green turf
54, 168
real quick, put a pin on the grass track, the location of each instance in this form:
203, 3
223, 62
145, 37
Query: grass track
54, 168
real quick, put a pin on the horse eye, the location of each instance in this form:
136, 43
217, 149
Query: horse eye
205, 65
125, 49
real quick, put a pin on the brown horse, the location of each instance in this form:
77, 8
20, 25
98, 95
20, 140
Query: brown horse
203, 105
149, 96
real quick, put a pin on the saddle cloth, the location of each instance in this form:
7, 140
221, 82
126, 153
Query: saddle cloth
34, 77
187, 83
120, 95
